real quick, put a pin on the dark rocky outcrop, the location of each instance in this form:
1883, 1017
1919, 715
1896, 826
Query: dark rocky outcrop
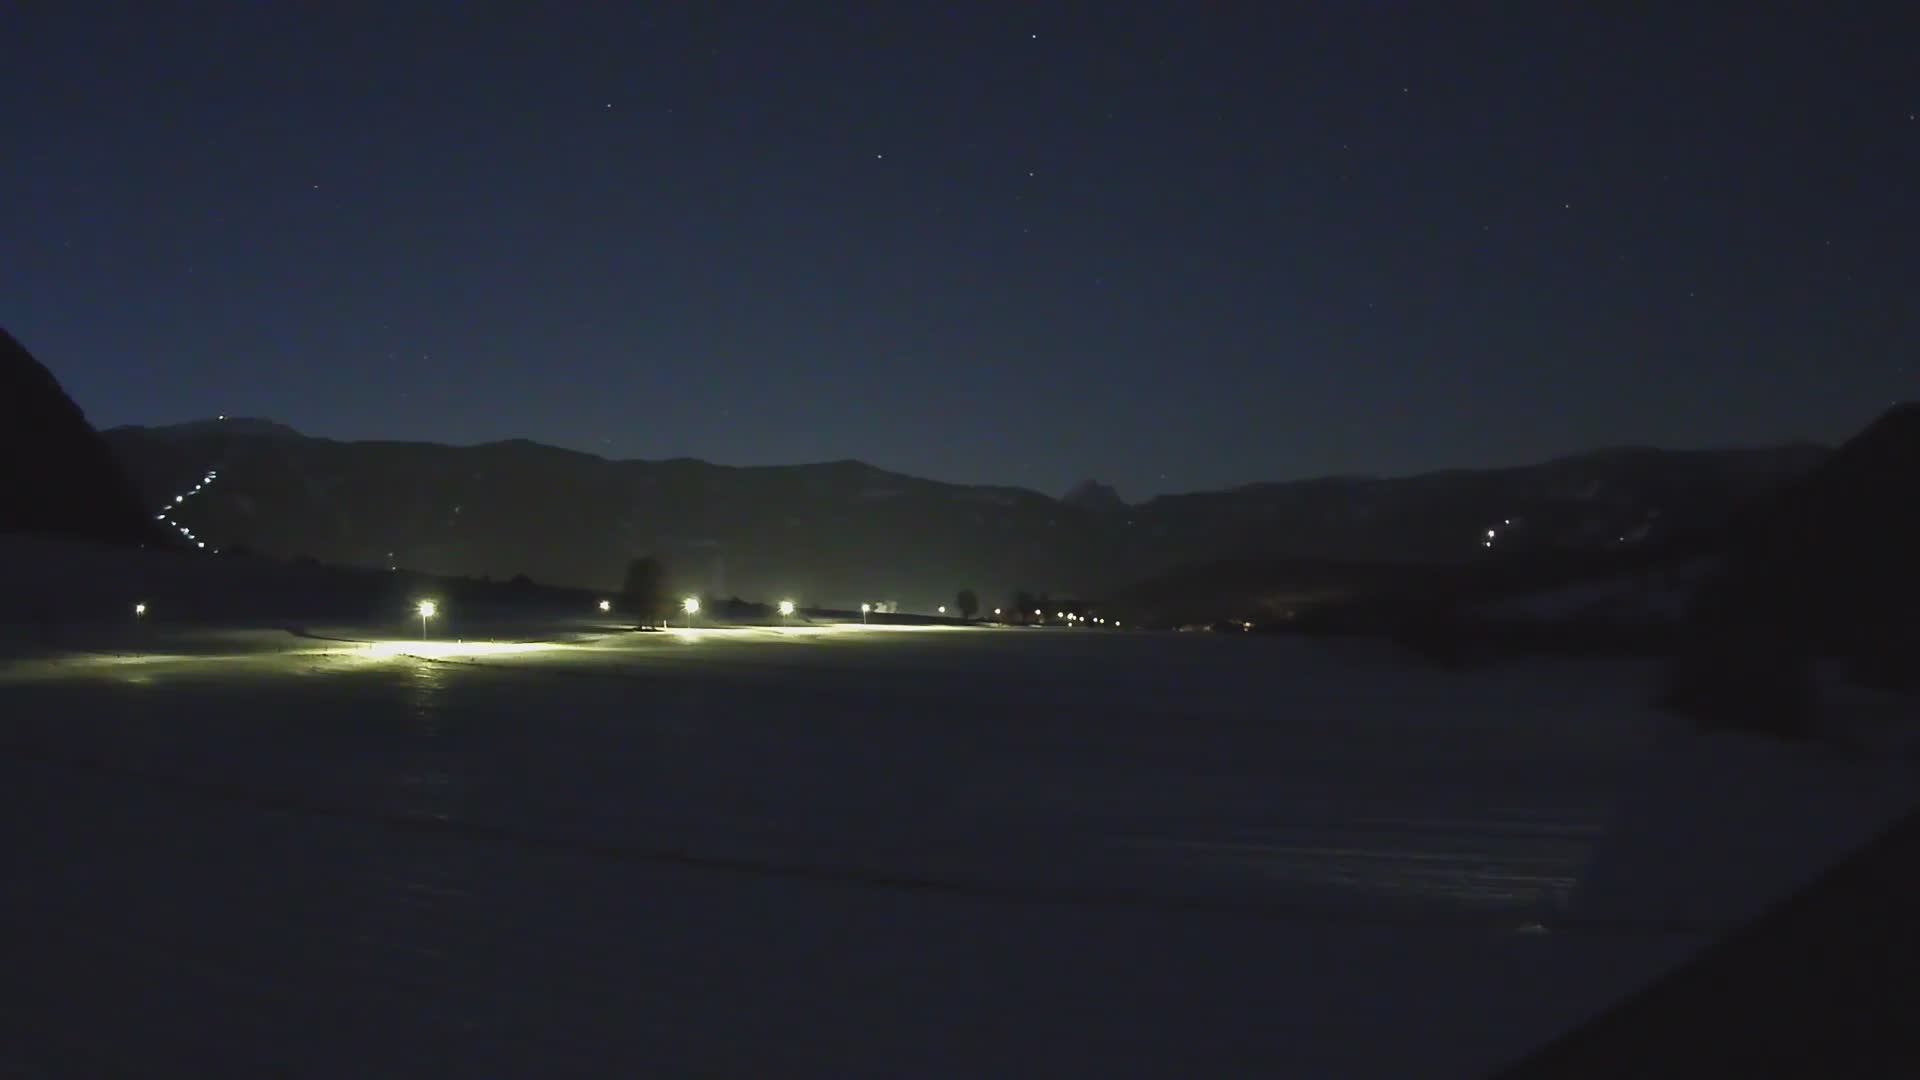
57, 476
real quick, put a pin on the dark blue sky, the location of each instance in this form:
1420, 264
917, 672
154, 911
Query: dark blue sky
1172, 247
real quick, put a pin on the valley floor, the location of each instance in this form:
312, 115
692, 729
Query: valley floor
840, 851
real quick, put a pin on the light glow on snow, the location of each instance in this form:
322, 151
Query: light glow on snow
450, 650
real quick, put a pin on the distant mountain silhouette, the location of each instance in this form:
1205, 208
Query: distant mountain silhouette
57, 476
841, 532
1093, 495
224, 425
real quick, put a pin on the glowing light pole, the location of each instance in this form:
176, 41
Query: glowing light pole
139, 611
606, 606
786, 610
864, 608
691, 605
427, 609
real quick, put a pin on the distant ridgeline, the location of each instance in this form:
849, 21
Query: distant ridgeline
838, 533
57, 476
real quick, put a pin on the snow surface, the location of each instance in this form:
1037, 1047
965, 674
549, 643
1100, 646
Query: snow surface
843, 851
1657, 596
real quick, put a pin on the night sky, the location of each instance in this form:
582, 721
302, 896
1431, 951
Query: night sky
1170, 247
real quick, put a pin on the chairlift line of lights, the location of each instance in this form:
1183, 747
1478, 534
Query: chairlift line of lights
179, 500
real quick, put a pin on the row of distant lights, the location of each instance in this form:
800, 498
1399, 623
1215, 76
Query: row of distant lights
1066, 616
212, 475
1493, 533
691, 605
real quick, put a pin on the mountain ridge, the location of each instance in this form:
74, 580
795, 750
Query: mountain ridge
240, 425
846, 531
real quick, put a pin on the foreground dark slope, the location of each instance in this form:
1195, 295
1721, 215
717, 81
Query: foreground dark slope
1830, 564
1823, 985
844, 531
57, 476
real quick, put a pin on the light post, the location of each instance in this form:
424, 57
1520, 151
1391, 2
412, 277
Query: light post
786, 610
606, 606
691, 605
864, 608
427, 609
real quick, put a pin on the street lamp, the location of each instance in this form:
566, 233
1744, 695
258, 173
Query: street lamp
996, 613
139, 610
427, 609
943, 609
864, 608
691, 605
606, 606
786, 610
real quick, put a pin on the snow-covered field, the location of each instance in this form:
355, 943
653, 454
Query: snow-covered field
845, 852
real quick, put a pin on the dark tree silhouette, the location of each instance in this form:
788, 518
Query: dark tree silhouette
968, 603
644, 593
1023, 606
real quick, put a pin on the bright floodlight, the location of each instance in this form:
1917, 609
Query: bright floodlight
943, 609
866, 607
428, 609
691, 605
996, 611
606, 605
786, 607
139, 609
